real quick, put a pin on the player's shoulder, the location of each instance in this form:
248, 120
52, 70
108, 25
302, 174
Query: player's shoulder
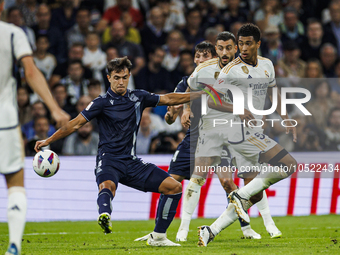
136, 94
232, 65
9, 28
182, 85
207, 64
264, 61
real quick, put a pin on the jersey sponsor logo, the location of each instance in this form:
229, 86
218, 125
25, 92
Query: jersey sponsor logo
89, 106
245, 69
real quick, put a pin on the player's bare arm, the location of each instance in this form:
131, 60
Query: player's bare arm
172, 113
70, 127
187, 113
38, 83
291, 128
178, 98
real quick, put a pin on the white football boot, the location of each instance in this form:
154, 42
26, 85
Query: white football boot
159, 239
240, 205
273, 231
205, 236
182, 235
143, 238
249, 233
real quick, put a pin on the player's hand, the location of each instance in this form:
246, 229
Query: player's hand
60, 117
247, 116
40, 144
185, 120
293, 131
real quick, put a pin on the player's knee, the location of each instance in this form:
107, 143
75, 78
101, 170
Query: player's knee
174, 189
256, 198
228, 184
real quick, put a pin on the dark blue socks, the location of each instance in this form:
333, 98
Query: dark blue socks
104, 201
166, 211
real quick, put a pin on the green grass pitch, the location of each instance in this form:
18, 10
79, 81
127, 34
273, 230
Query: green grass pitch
301, 235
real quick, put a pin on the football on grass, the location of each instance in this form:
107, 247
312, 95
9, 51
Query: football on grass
46, 163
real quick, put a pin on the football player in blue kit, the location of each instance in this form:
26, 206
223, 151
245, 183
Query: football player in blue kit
118, 114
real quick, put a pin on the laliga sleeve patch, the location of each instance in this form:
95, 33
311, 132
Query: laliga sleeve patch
89, 106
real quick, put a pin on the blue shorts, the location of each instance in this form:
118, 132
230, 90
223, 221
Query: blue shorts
132, 172
183, 161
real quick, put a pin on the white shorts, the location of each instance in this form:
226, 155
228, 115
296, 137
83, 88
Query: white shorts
11, 151
246, 154
210, 143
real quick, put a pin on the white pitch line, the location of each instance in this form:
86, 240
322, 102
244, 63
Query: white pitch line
76, 233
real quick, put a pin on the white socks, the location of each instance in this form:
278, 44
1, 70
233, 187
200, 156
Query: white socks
16, 213
227, 218
191, 197
263, 207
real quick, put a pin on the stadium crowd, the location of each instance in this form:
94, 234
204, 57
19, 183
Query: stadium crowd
73, 40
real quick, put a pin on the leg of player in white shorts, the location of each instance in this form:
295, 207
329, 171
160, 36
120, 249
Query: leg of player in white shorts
208, 153
11, 165
283, 165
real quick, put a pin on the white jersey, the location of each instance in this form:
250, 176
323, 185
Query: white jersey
244, 76
207, 73
13, 46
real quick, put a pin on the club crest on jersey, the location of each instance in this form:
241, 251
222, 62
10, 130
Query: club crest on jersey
133, 98
216, 75
266, 73
245, 69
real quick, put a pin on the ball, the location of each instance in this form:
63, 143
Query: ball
46, 163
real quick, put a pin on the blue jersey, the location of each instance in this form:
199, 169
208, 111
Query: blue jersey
192, 132
118, 119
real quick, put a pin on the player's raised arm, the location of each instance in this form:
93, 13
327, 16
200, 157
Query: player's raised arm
38, 83
70, 127
178, 98
291, 128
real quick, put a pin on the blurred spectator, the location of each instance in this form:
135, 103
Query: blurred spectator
185, 67
114, 13
173, 47
94, 88
132, 33
328, 56
24, 105
41, 129
166, 143
321, 105
233, 13
291, 65
292, 28
301, 10
153, 34
83, 142
335, 82
332, 28
210, 35
94, 58
270, 13
174, 16
145, 134
314, 69
78, 32
75, 82
210, 13
234, 28
133, 51
153, 77
45, 61
76, 52
59, 93
64, 17
271, 45
14, 16
82, 103
55, 37
311, 45
332, 132
29, 10
38, 109
193, 32
310, 139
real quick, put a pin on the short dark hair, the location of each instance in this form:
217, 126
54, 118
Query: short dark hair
118, 65
39, 118
77, 44
250, 29
225, 36
12, 9
75, 61
206, 46
185, 51
57, 86
42, 36
93, 82
334, 109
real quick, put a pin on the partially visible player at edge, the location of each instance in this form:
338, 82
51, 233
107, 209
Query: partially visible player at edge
15, 49
182, 163
118, 114
236, 73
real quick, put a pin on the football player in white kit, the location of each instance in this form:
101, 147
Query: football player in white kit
248, 144
15, 48
211, 142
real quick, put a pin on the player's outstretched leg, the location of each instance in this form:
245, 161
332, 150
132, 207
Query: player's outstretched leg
282, 166
106, 193
16, 211
268, 221
166, 211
